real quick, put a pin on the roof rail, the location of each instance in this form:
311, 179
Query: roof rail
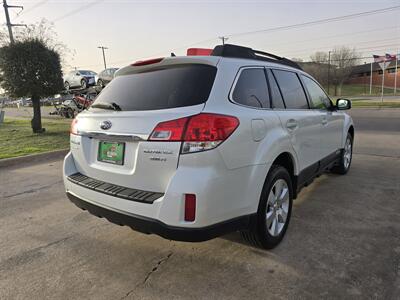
229, 50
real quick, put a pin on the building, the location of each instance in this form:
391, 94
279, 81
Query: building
361, 74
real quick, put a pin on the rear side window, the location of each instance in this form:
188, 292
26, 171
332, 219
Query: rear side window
170, 87
292, 90
277, 101
251, 89
318, 97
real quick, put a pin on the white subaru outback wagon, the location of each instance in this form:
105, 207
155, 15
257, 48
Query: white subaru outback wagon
194, 147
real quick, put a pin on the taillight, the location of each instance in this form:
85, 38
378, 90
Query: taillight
169, 130
74, 127
206, 131
200, 132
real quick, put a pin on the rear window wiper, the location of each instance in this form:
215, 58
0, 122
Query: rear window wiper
102, 105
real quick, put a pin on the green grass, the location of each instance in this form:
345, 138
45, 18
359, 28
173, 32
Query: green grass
371, 104
17, 139
351, 90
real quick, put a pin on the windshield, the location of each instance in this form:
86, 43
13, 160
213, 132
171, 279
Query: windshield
170, 87
87, 72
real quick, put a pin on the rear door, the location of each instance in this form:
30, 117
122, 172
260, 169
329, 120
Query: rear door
301, 123
112, 144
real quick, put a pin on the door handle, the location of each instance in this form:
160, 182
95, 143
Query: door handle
291, 124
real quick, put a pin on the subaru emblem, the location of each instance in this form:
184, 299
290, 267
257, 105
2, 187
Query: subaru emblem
105, 125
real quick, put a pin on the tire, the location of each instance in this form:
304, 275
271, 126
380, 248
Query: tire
346, 156
67, 86
83, 84
69, 114
270, 224
100, 83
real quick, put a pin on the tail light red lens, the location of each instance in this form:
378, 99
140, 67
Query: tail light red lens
190, 207
210, 127
74, 127
199, 132
169, 130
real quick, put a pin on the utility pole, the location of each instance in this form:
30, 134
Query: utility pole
223, 38
8, 21
104, 56
329, 69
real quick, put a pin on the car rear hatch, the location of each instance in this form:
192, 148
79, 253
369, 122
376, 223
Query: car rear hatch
109, 142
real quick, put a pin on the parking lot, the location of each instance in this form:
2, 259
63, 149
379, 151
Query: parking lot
343, 240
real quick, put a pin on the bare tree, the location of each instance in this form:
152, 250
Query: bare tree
319, 57
343, 59
318, 67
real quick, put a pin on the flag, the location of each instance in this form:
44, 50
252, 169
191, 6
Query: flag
379, 58
390, 56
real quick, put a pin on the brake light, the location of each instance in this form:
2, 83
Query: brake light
147, 62
200, 132
74, 127
198, 51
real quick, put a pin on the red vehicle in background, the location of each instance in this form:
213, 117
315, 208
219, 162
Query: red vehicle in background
69, 108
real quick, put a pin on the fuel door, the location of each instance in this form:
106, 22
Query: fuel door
258, 129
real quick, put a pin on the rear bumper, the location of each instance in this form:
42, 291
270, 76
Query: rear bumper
149, 225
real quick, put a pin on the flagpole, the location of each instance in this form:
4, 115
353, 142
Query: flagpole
395, 74
383, 79
370, 80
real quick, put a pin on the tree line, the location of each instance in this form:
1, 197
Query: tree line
332, 69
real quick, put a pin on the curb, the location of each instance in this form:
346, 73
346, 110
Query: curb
33, 158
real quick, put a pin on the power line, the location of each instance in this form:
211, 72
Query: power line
377, 48
377, 11
321, 21
293, 26
333, 46
31, 8
332, 36
77, 10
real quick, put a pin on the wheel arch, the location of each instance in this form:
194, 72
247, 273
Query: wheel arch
351, 131
347, 128
287, 160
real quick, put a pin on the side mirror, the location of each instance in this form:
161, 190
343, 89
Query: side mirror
343, 104
77, 74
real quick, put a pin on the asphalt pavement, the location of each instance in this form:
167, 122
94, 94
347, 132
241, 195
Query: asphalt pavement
343, 241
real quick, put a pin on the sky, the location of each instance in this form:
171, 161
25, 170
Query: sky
134, 30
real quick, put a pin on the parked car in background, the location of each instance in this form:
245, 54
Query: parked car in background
79, 79
105, 76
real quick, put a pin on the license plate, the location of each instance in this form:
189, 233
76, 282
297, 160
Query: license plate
111, 152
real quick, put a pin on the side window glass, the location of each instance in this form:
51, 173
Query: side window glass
292, 90
277, 101
251, 89
319, 99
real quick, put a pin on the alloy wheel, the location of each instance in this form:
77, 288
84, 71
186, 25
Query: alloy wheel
277, 207
347, 153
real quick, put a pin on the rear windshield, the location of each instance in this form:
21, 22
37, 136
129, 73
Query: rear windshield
170, 87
